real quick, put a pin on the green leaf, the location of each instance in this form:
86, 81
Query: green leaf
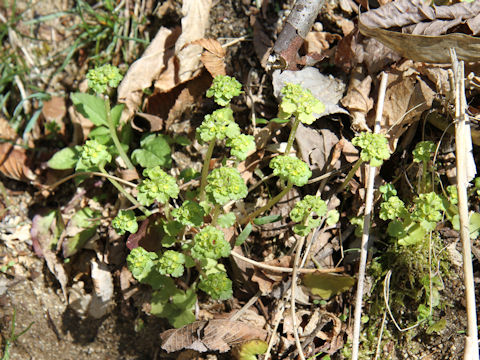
226, 220
327, 285
90, 106
47, 229
182, 140
413, 236
84, 225
267, 219
116, 113
175, 305
437, 326
249, 349
474, 225
101, 134
65, 159
280, 121
154, 151
244, 234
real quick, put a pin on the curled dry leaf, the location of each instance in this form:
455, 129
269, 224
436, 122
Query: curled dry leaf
145, 70
407, 97
214, 335
103, 290
424, 25
14, 163
213, 58
267, 279
358, 100
6, 131
194, 24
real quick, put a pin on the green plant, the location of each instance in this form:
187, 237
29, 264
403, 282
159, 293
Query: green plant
191, 245
13, 337
374, 151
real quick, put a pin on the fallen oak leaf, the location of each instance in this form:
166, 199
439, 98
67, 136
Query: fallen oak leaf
425, 48
213, 58
214, 335
13, 163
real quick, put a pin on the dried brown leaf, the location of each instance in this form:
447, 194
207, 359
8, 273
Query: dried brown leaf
424, 24
14, 163
54, 109
6, 131
406, 98
103, 289
267, 279
214, 56
147, 69
214, 335
194, 24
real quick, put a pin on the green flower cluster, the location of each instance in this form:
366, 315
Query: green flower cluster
171, 263
158, 185
189, 214
300, 103
225, 184
218, 125
423, 151
291, 168
140, 262
100, 78
125, 221
210, 243
392, 209
241, 145
374, 148
223, 89
428, 210
217, 285
94, 154
304, 212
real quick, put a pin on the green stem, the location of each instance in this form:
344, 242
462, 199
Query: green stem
291, 137
269, 204
216, 212
350, 175
113, 134
206, 166
124, 192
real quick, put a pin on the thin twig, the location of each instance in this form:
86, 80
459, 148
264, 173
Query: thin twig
89, 173
461, 133
280, 310
366, 228
292, 296
285, 269
245, 307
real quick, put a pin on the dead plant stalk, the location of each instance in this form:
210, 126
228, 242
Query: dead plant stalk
461, 133
366, 227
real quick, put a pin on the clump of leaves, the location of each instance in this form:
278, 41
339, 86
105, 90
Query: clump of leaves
192, 245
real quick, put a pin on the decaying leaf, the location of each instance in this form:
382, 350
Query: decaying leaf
266, 279
325, 88
6, 131
103, 290
13, 162
214, 335
407, 97
194, 24
213, 58
425, 24
327, 285
45, 233
145, 70
358, 100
